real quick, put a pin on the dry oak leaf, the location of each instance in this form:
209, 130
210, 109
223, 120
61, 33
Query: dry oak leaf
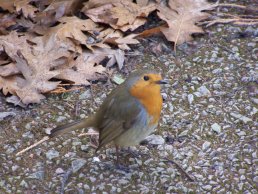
25, 7
55, 10
86, 67
10, 84
181, 17
69, 31
116, 37
7, 5
6, 20
34, 63
123, 14
8, 70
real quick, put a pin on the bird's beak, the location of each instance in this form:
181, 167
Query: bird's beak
161, 82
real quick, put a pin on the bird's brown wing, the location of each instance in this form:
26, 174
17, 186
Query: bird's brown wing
117, 116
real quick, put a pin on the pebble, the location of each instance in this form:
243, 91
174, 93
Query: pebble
207, 187
84, 147
52, 154
77, 164
216, 127
28, 134
241, 117
37, 175
23, 183
60, 119
190, 98
204, 91
206, 145
3, 115
85, 95
155, 139
59, 171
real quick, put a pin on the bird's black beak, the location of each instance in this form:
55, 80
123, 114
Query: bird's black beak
162, 82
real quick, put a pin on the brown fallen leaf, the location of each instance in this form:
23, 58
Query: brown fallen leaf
181, 17
124, 14
10, 84
55, 10
116, 37
7, 5
6, 20
69, 33
8, 70
34, 63
87, 67
25, 7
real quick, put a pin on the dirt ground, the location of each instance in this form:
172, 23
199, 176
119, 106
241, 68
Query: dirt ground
208, 126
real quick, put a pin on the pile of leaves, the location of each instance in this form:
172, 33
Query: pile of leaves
44, 42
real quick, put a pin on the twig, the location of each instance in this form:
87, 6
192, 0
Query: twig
63, 90
241, 21
180, 168
178, 32
89, 133
45, 138
233, 5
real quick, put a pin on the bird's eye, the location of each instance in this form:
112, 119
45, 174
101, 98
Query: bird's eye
146, 78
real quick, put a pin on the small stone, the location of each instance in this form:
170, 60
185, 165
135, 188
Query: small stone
164, 96
96, 159
155, 139
86, 187
82, 116
240, 186
118, 79
85, 95
190, 98
207, 187
15, 167
28, 126
60, 119
24, 184
3, 115
59, 171
241, 117
242, 177
241, 171
216, 127
255, 179
78, 164
206, 145
204, 91
28, 134
52, 154
255, 100
217, 71
92, 179
183, 133
37, 175
241, 133
84, 147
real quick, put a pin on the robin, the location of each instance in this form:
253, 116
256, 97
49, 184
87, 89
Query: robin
129, 113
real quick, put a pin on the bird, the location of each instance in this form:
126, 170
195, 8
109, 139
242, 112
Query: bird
129, 113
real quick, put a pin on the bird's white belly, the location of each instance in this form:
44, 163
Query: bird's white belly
134, 136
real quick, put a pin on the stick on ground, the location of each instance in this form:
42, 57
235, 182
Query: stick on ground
45, 138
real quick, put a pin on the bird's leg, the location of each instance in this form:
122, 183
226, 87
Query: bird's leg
118, 165
135, 153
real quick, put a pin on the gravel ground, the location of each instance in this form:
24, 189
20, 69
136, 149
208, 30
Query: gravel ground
208, 127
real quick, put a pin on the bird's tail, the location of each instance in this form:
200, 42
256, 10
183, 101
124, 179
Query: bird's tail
83, 123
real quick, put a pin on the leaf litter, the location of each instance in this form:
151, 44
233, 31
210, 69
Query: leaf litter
44, 43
